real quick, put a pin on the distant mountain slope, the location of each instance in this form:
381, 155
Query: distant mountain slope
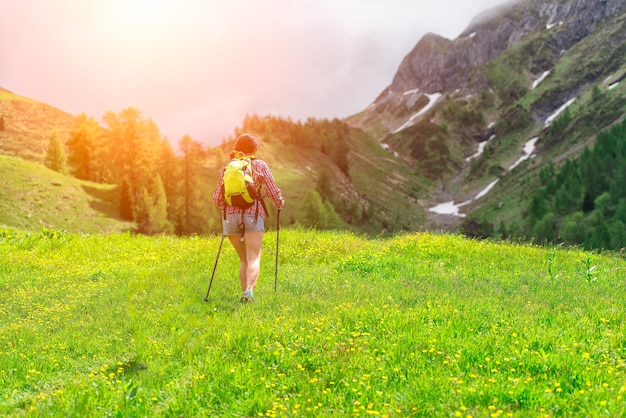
32, 197
378, 194
462, 112
28, 126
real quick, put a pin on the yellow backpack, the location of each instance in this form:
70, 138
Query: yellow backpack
238, 183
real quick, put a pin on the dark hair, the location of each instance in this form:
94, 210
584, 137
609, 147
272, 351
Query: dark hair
246, 143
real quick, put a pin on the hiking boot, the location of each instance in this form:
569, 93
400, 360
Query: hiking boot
247, 297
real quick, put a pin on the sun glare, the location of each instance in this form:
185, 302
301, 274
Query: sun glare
136, 24
131, 15
145, 11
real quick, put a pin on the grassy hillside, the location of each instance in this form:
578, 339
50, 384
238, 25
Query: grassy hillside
415, 325
32, 197
28, 126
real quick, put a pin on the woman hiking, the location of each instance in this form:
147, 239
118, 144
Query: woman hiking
244, 227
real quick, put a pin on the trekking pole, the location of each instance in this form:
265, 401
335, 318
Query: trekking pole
206, 298
277, 241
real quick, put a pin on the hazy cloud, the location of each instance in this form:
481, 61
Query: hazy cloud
197, 67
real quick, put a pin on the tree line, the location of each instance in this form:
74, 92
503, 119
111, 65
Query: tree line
164, 191
584, 201
161, 191
328, 136
321, 207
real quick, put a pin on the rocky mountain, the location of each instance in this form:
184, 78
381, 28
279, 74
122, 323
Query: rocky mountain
437, 64
473, 113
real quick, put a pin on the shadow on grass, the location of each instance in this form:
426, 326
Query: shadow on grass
106, 201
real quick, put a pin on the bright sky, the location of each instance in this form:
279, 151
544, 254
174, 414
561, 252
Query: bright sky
197, 67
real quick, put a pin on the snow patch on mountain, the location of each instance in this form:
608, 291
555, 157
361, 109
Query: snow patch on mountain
449, 208
387, 148
433, 98
556, 114
551, 25
481, 149
486, 190
529, 147
540, 79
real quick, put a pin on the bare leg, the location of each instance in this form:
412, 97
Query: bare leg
253, 243
240, 247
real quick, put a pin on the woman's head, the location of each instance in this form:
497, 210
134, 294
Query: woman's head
246, 143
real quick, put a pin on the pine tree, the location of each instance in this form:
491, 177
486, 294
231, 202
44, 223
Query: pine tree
339, 155
195, 192
312, 210
170, 170
569, 197
601, 236
545, 229
324, 183
56, 158
132, 151
618, 235
82, 146
143, 207
158, 209
539, 206
602, 204
127, 202
333, 220
620, 211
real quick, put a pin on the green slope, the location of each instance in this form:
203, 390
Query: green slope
32, 197
28, 126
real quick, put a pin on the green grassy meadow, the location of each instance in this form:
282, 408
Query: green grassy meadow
413, 325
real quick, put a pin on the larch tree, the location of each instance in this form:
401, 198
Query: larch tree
170, 170
158, 209
82, 146
194, 190
131, 147
56, 158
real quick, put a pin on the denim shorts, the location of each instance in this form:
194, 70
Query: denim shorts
232, 224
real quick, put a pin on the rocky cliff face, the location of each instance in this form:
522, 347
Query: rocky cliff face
440, 65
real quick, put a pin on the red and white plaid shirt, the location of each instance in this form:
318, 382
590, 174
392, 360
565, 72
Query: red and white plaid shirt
262, 176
